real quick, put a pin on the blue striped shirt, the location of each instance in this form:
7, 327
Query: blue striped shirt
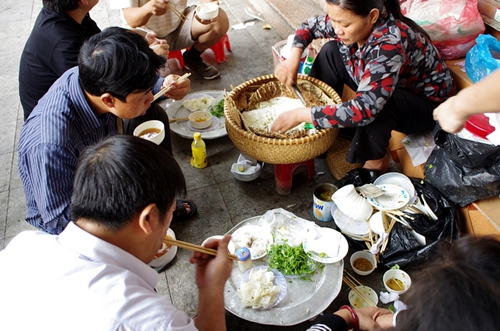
52, 138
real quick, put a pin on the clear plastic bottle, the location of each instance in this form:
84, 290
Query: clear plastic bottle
307, 65
199, 152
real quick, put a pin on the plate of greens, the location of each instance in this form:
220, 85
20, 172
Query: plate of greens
214, 103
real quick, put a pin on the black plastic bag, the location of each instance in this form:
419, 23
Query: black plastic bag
463, 170
403, 249
358, 177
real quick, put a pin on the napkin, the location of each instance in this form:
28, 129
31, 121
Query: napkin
250, 165
386, 297
330, 245
419, 147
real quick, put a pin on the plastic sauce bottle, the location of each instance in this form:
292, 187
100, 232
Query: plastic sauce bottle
244, 259
199, 152
307, 65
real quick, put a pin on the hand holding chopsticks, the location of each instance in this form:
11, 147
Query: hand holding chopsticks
195, 248
167, 88
176, 12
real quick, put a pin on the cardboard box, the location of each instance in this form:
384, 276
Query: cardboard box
457, 70
481, 218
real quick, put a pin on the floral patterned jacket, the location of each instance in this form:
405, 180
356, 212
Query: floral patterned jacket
393, 56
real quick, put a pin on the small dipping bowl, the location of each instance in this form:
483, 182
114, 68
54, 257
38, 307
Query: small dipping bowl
395, 278
230, 246
207, 11
200, 119
153, 130
358, 302
361, 260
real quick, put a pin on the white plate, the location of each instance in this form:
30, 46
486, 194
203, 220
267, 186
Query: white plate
396, 178
176, 110
351, 226
337, 245
395, 197
230, 245
279, 280
259, 240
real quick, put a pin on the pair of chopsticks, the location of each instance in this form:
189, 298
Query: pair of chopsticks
177, 12
167, 88
352, 283
195, 248
178, 119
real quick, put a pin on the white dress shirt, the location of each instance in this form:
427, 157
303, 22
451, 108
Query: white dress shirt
76, 281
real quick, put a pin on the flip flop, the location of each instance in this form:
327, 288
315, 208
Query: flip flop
180, 212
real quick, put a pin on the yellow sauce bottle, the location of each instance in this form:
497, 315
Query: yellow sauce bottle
199, 152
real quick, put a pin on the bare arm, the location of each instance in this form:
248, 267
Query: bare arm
211, 276
291, 118
482, 97
286, 72
139, 16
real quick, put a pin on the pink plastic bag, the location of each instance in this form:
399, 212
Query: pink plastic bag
453, 25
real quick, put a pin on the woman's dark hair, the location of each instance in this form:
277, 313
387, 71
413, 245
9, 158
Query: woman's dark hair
363, 8
459, 290
118, 61
121, 175
61, 6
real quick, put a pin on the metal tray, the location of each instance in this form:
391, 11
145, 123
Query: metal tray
304, 300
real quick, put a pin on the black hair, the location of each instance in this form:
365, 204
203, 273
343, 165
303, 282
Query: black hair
363, 8
459, 290
118, 61
121, 175
61, 6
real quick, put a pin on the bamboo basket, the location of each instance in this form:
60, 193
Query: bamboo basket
335, 159
278, 150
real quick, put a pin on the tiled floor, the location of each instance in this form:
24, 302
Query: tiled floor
222, 201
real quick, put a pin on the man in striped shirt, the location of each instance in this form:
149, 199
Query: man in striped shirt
115, 77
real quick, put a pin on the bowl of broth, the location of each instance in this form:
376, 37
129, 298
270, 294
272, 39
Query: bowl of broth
363, 262
396, 281
200, 119
153, 130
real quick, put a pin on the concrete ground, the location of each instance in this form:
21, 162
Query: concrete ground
222, 201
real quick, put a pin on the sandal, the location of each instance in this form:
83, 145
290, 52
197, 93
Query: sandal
180, 212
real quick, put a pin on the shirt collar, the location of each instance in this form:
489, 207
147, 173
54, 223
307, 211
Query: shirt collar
95, 249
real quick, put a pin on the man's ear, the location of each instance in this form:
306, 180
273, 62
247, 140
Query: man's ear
108, 100
148, 218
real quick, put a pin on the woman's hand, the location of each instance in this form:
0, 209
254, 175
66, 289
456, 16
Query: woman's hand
450, 116
178, 89
286, 71
291, 118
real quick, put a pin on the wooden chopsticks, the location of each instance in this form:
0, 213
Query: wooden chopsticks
195, 248
178, 119
352, 283
177, 12
166, 89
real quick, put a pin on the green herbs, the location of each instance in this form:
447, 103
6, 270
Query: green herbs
291, 261
218, 109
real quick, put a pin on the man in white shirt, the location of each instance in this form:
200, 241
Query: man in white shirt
157, 16
95, 274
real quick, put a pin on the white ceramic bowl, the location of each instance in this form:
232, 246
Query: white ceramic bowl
200, 119
358, 302
153, 130
399, 275
207, 11
230, 246
168, 254
365, 255
246, 175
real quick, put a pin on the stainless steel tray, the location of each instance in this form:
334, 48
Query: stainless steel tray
304, 299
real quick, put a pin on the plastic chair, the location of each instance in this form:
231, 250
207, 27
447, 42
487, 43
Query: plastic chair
177, 54
284, 173
218, 49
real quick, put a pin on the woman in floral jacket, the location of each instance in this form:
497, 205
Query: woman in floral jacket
387, 59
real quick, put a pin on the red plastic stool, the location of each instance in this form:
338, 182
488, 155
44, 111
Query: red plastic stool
283, 174
218, 49
177, 54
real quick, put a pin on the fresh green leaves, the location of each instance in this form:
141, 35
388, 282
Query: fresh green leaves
292, 261
218, 109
